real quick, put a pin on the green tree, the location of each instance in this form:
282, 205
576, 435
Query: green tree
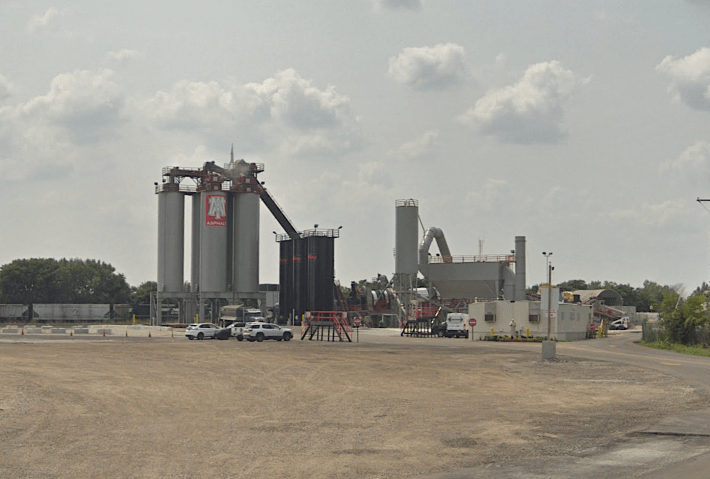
681, 318
651, 293
141, 294
74, 281
29, 280
573, 285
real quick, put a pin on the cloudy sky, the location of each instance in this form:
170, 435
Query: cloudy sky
582, 125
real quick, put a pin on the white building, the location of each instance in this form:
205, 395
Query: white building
570, 322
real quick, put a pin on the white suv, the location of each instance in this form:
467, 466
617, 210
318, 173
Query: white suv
262, 331
201, 331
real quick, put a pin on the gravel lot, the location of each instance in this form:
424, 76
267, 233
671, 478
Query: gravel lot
167, 407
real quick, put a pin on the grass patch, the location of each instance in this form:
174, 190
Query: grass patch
679, 348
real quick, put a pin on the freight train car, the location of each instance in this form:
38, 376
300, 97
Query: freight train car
13, 312
55, 312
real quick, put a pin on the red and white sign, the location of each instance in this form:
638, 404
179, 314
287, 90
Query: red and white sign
357, 322
472, 322
215, 210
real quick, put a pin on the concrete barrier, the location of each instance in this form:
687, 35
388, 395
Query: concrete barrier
33, 330
59, 331
549, 350
11, 331
81, 330
104, 331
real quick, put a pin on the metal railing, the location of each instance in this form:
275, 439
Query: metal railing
491, 258
161, 187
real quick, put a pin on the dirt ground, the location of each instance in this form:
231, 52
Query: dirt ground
172, 408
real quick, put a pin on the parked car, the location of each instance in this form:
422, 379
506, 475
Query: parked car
236, 329
206, 330
262, 331
223, 333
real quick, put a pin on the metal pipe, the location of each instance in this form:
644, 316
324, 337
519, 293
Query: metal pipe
429, 235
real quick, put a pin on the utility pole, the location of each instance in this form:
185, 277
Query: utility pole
549, 293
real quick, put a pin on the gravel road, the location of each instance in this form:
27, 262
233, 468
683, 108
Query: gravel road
385, 407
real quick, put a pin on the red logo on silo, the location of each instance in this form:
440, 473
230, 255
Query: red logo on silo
216, 210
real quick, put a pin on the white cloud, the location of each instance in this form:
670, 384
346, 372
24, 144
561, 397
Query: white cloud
6, 88
285, 112
490, 196
690, 78
374, 173
31, 150
84, 103
399, 4
44, 137
429, 67
125, 55
668, 214
421, 148
531, 111
47, 20
692, 165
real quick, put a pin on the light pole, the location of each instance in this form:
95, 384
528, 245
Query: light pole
549, 293
707, 294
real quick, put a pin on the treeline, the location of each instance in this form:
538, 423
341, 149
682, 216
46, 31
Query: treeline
68, 281
644, 298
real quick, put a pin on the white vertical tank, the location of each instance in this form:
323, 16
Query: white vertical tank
171, 238
245, 252
213, 241
195, 259
406, 236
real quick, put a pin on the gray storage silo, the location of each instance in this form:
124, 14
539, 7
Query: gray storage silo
520, 293
245, 242
213, 241
406, 237
171, 237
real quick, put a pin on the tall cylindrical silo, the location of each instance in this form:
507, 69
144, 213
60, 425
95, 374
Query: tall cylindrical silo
171, 238
321, 273
245, 252
195, 253
520, 294
286, 291
300, 277
213, 241
406, 236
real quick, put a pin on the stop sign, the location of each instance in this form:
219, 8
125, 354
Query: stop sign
357, 322
472, 322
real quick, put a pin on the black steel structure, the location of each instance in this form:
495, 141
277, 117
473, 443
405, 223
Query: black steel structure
307, 273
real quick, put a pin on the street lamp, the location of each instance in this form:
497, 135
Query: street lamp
549, 293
